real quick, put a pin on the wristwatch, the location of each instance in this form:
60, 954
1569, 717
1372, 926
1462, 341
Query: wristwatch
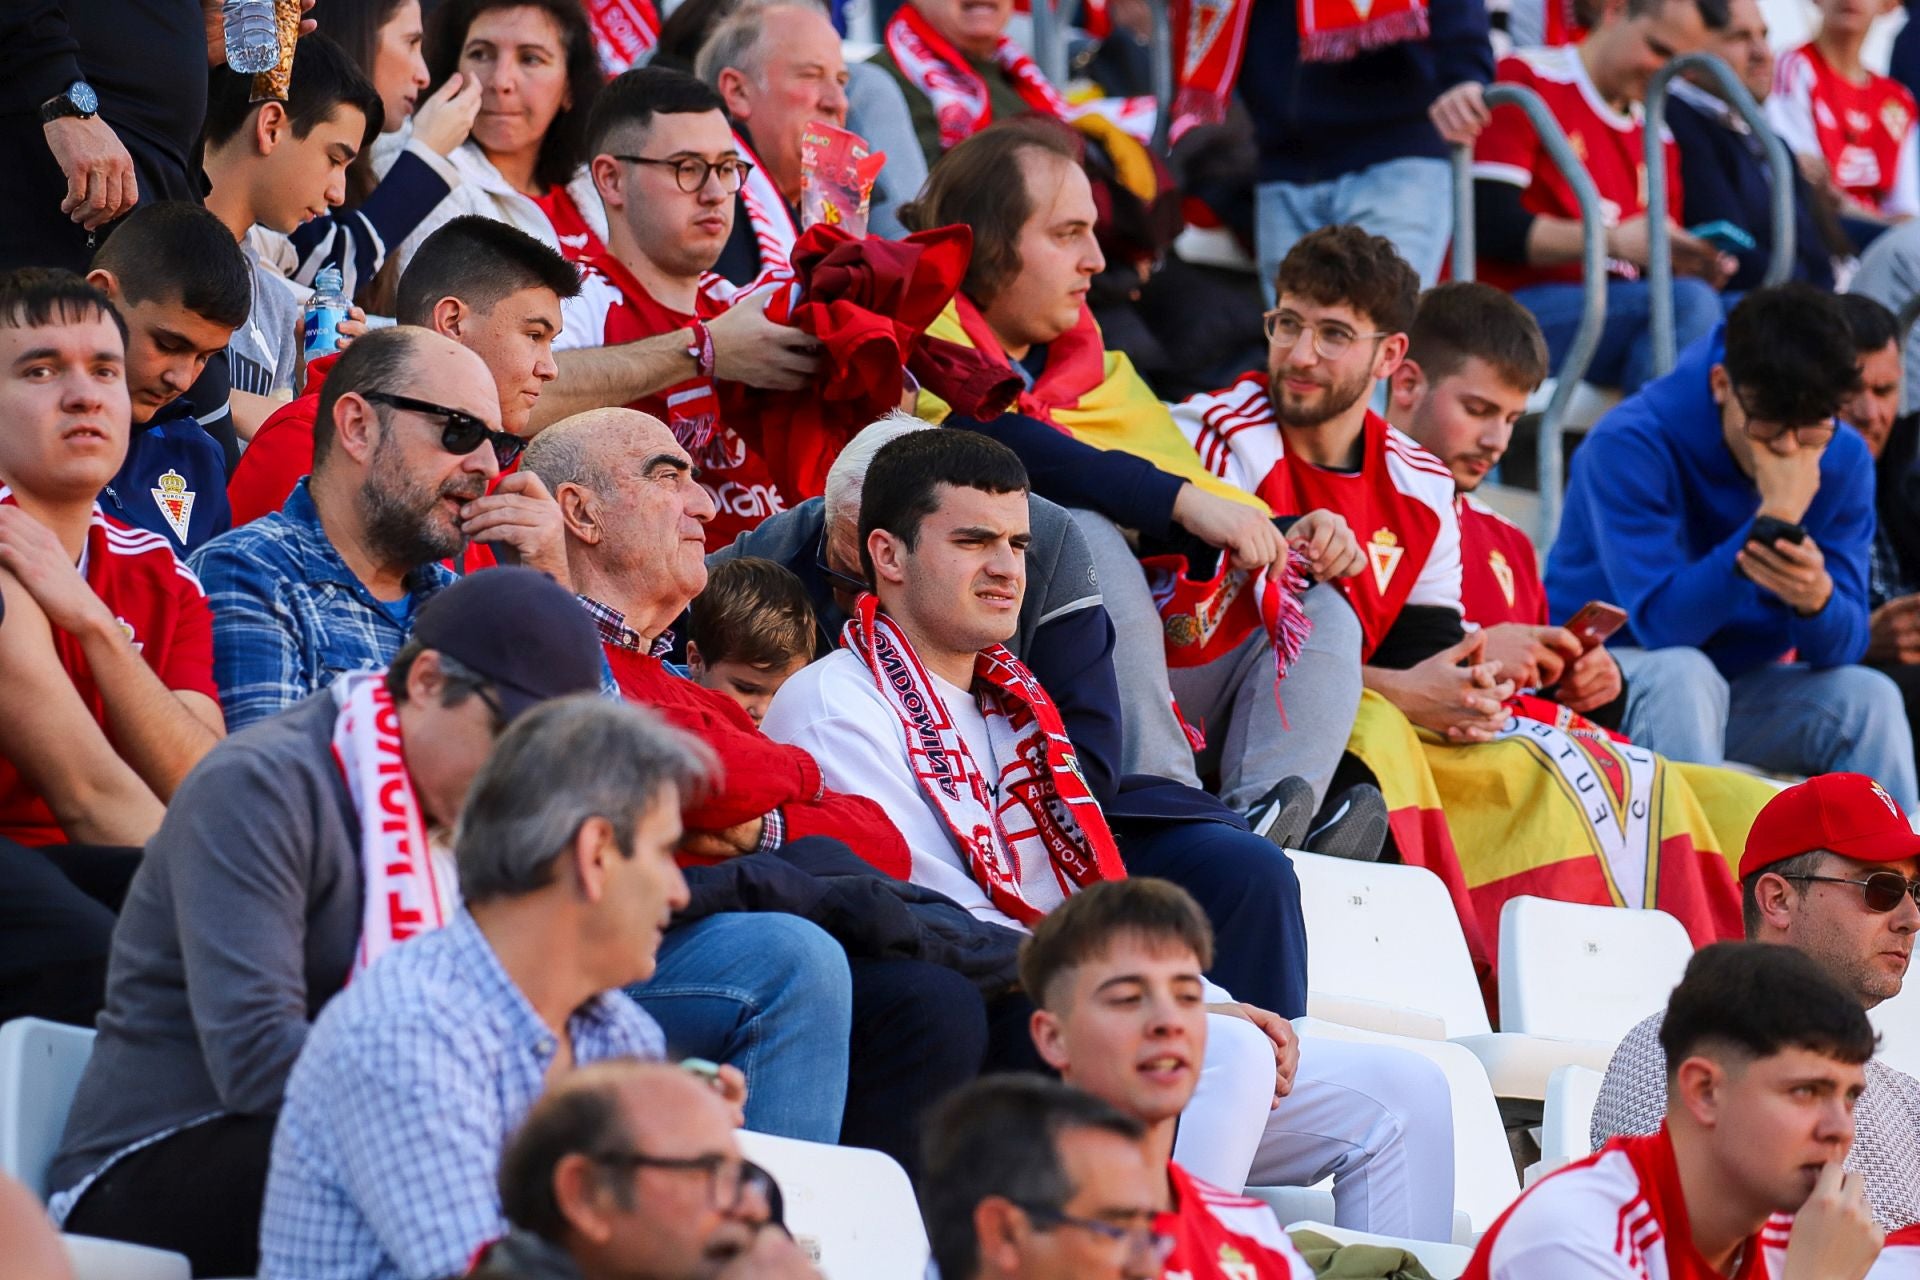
77, 101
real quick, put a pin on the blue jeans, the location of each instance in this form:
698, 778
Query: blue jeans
1787, 717
767, 993
1624, 358
1408, 201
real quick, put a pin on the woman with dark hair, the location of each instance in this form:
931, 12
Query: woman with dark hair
522, 163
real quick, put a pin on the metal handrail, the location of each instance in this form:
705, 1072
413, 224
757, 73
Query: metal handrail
1659, 243
1049, 42
1160, 62
1593, 278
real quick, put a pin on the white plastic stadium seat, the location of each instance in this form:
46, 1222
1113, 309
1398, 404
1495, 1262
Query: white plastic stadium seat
40, 1066
1384, 947
113, 1260
1571, 969
1445, 1261
1566, 1125
852, 1209
1898, 1022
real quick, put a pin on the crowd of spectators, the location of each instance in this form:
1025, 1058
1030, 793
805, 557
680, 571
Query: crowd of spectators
687, 644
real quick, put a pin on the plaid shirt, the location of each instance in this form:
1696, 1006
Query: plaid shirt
406, 1090
289, 616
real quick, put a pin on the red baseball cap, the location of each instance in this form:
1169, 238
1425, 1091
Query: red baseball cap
1845, 813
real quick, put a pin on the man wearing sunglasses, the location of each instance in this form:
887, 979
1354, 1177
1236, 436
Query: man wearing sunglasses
406, 443
1831, 869
1724, 512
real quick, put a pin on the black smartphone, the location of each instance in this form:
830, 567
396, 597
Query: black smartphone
1768, 530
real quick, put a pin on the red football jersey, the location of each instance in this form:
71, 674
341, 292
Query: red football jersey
162, 608
1865, 132
578, 243
1499, 574
1222, 1236
613, 307
1610, 144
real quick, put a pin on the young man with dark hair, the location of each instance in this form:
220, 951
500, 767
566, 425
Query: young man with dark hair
106, 653
182, 285
1528, 220
1831, 869
1029, 1179
926, 712
490, 287
1764, 1055
1721, 508
1114, 974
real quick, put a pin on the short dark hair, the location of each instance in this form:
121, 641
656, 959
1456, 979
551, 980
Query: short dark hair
904, 479
1714, 13
38, 297
584, 1118
1464, 320
564, 147
479, 260
376, 361
1800, 864
176, 251
324, 80
635, 97
1086, 924
1346, 266
1000, 1136
1870, 323
754, 611
1756, 999
973, 185
1791, 354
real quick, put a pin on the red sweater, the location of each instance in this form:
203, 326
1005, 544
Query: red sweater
758, 774
280, 453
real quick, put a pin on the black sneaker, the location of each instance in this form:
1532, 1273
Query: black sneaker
1283, 813
1352, 825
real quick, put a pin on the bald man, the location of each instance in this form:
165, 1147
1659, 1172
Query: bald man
573, 1182
407, 440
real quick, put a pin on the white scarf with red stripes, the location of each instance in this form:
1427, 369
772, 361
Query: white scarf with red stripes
411, 886
774, 230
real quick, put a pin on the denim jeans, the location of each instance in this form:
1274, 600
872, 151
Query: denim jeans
767, 993
1624, 358
1409, 201
1786, 717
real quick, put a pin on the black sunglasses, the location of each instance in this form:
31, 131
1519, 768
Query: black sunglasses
461, 433
1884, 889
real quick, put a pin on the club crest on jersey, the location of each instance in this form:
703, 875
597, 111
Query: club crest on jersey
1234, 1264
126, 629
1383, 555
175, 501
1502, 574
1894, 117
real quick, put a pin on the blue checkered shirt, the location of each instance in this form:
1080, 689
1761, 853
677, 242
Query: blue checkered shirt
407, 1088
289, 617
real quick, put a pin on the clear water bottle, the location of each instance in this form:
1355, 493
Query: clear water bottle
325, 310
253, 35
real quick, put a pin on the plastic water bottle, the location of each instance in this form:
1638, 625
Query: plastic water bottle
253, 35
325, 310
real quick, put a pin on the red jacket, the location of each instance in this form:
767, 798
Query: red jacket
758, 774
281, 452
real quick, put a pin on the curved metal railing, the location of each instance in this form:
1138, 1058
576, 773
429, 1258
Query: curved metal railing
1593, 275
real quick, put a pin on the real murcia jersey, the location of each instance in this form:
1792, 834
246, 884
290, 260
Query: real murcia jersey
1499, 574
1900, 1260
1222, 1236
1610, 144
1399, 503
612, 307
1865, 132
1619, 1214
160, 606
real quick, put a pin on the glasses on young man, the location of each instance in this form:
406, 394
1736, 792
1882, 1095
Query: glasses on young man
1139, 1241
1883, 889
460, 432
730, 1180
691, 171
1330, 338
1813, 435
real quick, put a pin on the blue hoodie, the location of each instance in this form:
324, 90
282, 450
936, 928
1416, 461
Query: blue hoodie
1657, 510
172, 456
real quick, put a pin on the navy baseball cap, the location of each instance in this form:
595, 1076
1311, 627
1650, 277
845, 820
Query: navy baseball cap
524, 632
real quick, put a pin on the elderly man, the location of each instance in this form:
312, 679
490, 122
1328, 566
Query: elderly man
406, 440
1830, 870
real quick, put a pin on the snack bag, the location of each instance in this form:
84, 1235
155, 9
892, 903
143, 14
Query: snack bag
274, 84
837, 172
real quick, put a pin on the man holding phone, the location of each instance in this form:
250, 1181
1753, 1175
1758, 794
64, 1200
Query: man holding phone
1721, 508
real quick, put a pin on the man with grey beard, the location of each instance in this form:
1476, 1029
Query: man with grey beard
407, 440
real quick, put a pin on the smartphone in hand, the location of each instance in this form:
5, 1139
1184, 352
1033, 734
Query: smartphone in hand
1595, 622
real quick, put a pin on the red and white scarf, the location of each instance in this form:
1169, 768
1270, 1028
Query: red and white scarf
774, 230
958, 92
1046, 838
410, 886
1339, 30
624, 31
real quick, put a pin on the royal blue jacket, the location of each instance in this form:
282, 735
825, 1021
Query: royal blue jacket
1657, 510
174, 481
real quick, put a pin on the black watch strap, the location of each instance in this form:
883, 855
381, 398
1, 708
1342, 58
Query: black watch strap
77, 101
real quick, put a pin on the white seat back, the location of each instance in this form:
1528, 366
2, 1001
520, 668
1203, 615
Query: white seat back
1570, 969
852, 1209
1385, 932
1566, 1127
93, 1259
1898, 1022
40, 1066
